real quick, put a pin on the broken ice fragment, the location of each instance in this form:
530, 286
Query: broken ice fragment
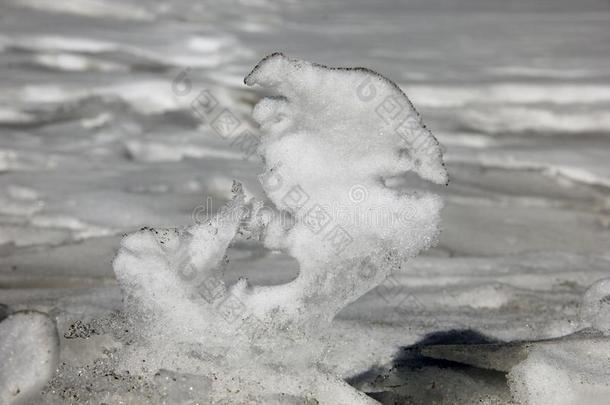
333, 147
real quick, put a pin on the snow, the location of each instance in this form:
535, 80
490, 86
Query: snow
573, 369
570, 372
28, 354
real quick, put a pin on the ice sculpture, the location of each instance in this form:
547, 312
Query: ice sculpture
332, 141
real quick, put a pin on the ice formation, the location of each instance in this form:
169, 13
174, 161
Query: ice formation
566, 372
28, 356
332, 141
574, 369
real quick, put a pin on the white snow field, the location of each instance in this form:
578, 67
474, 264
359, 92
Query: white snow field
116, 116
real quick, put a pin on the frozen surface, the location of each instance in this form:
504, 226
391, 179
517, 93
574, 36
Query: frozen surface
573, 369
95, 142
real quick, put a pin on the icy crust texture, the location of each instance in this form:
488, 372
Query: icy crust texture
328, 151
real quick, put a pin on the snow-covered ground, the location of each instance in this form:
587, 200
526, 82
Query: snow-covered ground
98, 137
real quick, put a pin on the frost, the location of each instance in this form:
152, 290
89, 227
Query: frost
332, 141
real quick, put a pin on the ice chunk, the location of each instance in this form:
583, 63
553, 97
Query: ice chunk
330, 140
28, 356
574, 369
169, 285
565, 372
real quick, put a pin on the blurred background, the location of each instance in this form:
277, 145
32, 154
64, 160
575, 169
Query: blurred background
98, 137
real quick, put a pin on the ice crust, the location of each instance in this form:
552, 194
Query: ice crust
329, 153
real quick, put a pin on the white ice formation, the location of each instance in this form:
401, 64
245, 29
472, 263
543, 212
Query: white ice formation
332, 140
565, 372
574, 369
